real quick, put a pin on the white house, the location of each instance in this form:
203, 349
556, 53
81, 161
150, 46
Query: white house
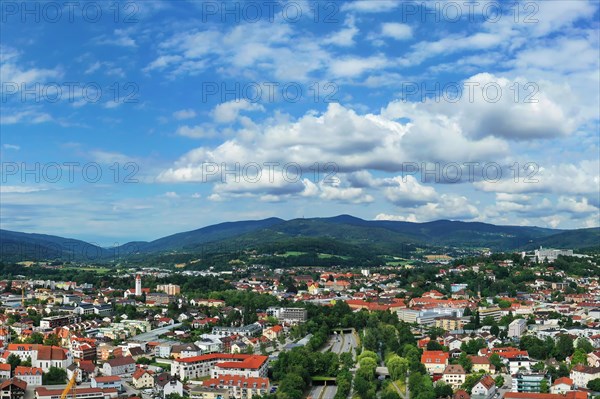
119, 366
485, 387
562, 385
31, 375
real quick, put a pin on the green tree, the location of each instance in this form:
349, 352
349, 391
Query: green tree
35, 338
52, 340
499, 381
471, 380
544, 387
14, 361
442, 390
465, 361
390, 395
504, 304
397, 366
496, 361
434, 346
579, 357
564, 347
594, 385
585, 345
495, 330
54, 376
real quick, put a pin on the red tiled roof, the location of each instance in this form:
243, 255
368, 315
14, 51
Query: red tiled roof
563, 380
531, 395
487, 381
432, 356
120, 361
14, 381
23, 370
140, 372
252, 362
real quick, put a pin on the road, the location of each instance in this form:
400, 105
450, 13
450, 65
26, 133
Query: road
330, 391
152, 335
337, 343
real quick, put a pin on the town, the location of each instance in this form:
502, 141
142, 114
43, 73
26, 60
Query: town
514, 326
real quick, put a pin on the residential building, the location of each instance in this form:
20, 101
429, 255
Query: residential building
159, 298
273, 333
435, 361
170, 289
289, 315
209, 344
454, 375
143, 378
449, 323
83, 309
52, 322
202, 392
119, 366
562, 385
581, 375
204, 365
239, 387
216, 303
251, 330
185, 350
495, 312
484, 389
518, 363
529, 382
106, 382
482, 363
533, 395
165, 385
31, 375
516, 328
4, 371
13, 389
103, 310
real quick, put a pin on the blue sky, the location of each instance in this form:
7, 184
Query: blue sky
135, 120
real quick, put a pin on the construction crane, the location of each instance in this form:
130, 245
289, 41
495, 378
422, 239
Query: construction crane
70, 385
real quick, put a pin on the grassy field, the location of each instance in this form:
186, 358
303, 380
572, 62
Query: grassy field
320, 255
99, 270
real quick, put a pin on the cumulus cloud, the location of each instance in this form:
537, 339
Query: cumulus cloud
229, 111
396, 30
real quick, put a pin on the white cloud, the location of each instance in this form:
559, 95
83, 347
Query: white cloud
406, 191
577, 179
11, 147
345, 36
195, 132
120, 37
396, 30
28, 117
353, 66
370, 6
184, 114
229, 111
